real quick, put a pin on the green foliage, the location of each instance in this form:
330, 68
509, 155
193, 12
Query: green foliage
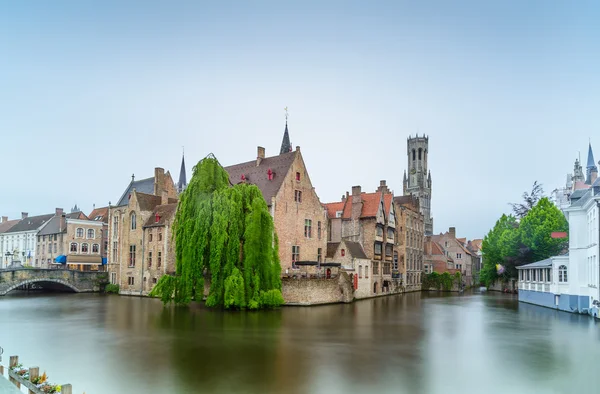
112, 288
443, 281
225, 233
511, 243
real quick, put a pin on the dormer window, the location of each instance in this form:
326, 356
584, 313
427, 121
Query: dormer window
379, 231
338, 214
270, 174
298, 176
343, 252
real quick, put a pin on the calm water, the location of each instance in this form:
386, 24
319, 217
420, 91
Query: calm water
414, 343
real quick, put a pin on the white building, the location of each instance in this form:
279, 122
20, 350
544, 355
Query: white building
19, 242
571, 282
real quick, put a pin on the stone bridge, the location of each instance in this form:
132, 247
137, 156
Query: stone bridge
54, 279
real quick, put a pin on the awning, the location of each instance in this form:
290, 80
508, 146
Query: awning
104, 260
331, 264
84, 259
62, 259
306, 263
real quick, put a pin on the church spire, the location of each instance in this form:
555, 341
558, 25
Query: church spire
591, 167
181, 185
286, 145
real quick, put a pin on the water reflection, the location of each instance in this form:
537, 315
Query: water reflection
415, 343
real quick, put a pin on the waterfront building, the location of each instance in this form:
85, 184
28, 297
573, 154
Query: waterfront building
474, 247
411, 228
20, 240
435, 258
355, 262
456, 249
140, 233
418, 180
5, 225
300, 219
366, 223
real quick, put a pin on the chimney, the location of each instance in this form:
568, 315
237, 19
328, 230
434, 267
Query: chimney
24, 215
260, 155
4, 219
159, 181
58, 211
382, 187
452, 232
356, 202
298, 148
343, 198
63, 222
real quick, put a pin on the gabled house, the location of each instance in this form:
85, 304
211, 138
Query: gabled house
454, 248
435, 259
20, 240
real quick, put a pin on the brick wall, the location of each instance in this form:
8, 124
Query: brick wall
317, 291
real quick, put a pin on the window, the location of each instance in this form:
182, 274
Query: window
84, 248
159, 260
379, 232
338, 214
319, 230
131, 255
113, 278
149, 259
360, 271
55, 247
375, 268
459, 255
55, 237
133, 222
91, 234
528, 275
95, 248
308, 228
130, 280
533, 274
79, 233
297, 196
154, 280
420, 151
562, 273
414, 154
343, 252
298, 176
390, 233
319, 254
395, 261
295, 255
150, 237
388, 250
105, 246
73, 247
366, 271
387, 268
114, 252
160, 236
44, 249
378, 248
115, 226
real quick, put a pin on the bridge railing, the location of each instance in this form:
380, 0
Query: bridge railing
31, 379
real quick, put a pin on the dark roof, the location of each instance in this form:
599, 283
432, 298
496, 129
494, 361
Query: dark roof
332, 247
165, 213
579, 202
141, 186
356, 250
182, 178
5, 226
99, 215
286, 145
407, 200
147, 202
257, 175
30, 223
578, 193
53, 226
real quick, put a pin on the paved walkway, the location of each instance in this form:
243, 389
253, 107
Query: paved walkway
7, 387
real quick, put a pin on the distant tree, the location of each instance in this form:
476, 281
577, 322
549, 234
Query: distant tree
529, 200
497, 246
537, 227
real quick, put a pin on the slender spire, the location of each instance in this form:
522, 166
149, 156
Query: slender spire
591, 166
286, 146
181, 185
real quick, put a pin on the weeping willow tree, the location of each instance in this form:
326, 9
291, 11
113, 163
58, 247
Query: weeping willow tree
225, 234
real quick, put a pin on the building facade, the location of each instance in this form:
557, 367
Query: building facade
418, 180
5, 225
20, 240
457, 250
411, 228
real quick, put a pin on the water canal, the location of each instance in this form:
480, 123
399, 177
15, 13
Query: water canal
416, 343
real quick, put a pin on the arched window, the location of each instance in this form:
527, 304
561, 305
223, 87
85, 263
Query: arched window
74, 247
133, 223
366, 271
360, 271
95, 248
420, 153
84, 248
414, 154
79, 233
562, 273
115, 230
91, 234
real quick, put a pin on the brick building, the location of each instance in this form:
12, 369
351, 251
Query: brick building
411, 228
435, 259
299, 218
457, 250
139, 233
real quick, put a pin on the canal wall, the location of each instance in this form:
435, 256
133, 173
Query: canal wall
316, 291
502, 286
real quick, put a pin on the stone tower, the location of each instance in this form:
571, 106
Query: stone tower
418, 180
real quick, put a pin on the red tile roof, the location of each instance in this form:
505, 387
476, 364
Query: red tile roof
333, 207
99, 214
370, 205
164, 212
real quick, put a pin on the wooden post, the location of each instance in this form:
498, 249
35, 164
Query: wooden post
34, 373
66, 389
14, 360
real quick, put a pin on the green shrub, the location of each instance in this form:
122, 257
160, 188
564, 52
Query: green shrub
111, 288
271, 298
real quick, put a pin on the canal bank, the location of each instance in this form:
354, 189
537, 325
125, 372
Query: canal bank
411, 343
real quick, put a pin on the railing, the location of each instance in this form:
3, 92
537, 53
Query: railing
31, 379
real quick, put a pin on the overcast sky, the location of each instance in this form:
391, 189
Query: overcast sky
91, 92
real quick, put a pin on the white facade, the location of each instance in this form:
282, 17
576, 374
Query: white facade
21, 245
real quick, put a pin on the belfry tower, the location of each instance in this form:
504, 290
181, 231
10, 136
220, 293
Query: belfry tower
418, 181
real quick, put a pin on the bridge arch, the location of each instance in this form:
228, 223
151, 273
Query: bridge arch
60, 282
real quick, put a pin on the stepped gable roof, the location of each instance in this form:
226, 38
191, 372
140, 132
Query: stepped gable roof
333, 207
388, 198
462, 240
53, 226
164, 212
99, 215
30, 223
258, 174
142, 186
147, 202
5, 226
436, 249
370, 205
332, 247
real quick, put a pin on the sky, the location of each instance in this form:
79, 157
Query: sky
92, 92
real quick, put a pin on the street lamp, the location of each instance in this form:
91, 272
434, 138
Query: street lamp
8, 254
